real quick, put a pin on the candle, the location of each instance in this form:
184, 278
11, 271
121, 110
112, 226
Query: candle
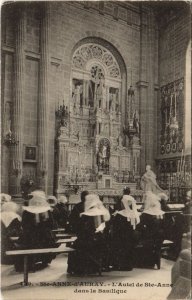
91, 157
170, 114
175, 103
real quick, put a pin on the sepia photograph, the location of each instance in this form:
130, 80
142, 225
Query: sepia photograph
96, 150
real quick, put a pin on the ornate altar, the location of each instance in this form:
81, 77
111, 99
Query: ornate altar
91, 148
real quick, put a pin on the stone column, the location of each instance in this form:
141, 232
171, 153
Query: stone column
151, 101
107, 98
44, 99
143, 87
84, 93
123, 101
18, 105
87, 92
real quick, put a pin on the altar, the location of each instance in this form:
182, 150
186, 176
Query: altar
97, 140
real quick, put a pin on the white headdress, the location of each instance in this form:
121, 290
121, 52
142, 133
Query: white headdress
9, 213
95, 208
4, 198
131, 214
38, 203
63, 199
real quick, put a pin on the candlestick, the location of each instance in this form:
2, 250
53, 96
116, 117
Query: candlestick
175, 103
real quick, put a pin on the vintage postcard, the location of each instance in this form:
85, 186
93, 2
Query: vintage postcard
96, 150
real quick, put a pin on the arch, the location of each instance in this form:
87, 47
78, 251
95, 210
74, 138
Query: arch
104, 41
110, 44
187, 124
91, 53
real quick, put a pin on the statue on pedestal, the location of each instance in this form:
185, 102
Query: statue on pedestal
149, 183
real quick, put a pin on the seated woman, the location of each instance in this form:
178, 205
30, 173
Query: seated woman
151, 232
52, 201
37, 222
123, 233
74, 217
10, 227
63, 215
90, 243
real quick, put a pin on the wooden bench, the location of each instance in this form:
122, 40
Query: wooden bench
64, 241
63, 235
165, 248
14, 238
25, 253
166, 243
59, 230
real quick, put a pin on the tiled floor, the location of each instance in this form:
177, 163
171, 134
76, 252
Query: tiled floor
109, 286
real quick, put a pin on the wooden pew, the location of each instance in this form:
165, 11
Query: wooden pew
64, 241
62, 235
25, 253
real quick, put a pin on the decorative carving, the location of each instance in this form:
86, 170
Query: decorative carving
86, 53
114, 72
78, 62
107, 59
97, 51
89, 51
62, 115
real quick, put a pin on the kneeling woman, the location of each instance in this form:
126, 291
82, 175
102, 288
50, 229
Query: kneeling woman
10, 227
90, 244
123, 233
151, 230
37, 223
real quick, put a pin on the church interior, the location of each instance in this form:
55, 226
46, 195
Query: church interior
92, 93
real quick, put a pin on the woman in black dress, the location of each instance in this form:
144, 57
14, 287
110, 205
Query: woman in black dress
10, 227
63, 216
74, 217
37, 223
124, 225
151, 230
90, 244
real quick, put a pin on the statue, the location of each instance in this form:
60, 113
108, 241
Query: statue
97, 86
149, 183
103, 156
78, 95
104, 152
120, 141
110, 101
117, 101
136, 123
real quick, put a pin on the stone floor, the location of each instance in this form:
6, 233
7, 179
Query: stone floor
48, 284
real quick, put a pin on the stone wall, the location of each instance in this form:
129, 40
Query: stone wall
130, 30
